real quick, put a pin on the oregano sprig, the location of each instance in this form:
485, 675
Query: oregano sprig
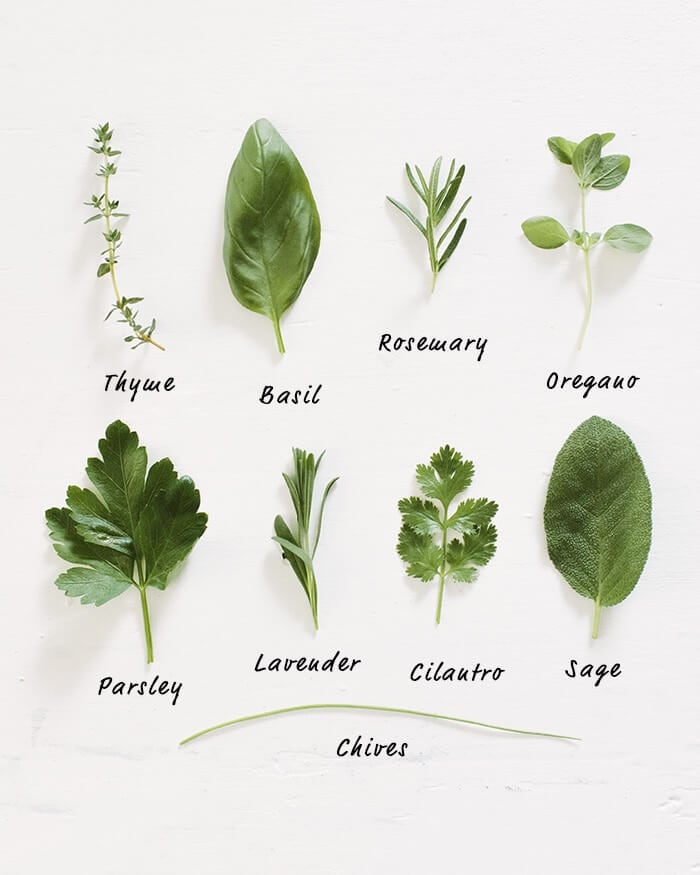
437, 202
592, 170
445, 478
107, 209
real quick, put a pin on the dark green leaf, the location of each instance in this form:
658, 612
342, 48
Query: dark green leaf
452, 245
272, 229
475, 549
422, 556
545, 232
472, 514
446, 476
94, 524
95, 585
610, 172
597, 516
103, 269
423, 195
422, 516
73, 548
450, 193
629, 238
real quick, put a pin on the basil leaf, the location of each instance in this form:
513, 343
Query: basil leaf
563, 150
272, 228
610, 172
629, 238
597, 516
586, 156
545, 232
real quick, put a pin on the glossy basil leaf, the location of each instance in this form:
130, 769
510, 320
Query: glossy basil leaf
597, 516
563, 150
610, 172
586, 156
272, 228
629, 238
545, 232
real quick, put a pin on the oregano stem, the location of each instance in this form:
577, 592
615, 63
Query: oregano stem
380, 708
587, 266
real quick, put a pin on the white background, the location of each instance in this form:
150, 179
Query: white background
99, 785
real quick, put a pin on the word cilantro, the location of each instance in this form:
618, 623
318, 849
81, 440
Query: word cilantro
444, 479
107, 209
592, 171
133, 531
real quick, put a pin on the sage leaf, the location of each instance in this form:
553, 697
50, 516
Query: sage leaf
597, 515
272, 230
545, 232
629, 238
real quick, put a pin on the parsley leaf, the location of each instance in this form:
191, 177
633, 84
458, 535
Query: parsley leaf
133, 531
446, 477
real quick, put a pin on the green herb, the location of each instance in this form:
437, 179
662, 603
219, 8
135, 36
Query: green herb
437, 202
107, 209
444, 479
381, 708
272, 231
133, 531
592, 170
298, 545
597, 516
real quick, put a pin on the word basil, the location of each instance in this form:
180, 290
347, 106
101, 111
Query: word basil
597, 517
592, 170
272, 230
133, 531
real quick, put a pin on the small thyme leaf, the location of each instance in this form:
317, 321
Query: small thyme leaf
113, 236
437, 202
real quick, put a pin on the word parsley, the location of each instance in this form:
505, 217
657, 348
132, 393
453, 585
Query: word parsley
592, 171
107, 209
437, 202
133, 531
444, 479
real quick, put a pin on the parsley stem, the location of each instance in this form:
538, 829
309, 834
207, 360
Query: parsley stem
596, 616
587, 265
146, 623
381, 708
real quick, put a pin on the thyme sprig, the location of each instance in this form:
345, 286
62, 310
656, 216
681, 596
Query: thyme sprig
107, 210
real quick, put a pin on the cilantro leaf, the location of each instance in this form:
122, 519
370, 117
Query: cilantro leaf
133, 532
446, 477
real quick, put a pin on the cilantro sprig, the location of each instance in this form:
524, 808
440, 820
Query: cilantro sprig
133, 530
424, 539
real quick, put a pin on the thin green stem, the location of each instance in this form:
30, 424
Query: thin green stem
587, 265
443, 567
146, 623
596, 617
278, 334
380, 708
110, 243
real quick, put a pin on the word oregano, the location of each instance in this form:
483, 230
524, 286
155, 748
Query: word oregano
446, 477
437, 202
592, 170
106, 209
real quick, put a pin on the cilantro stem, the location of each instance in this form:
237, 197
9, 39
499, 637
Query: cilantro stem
146, 623
443, 564
381, 708
596, 616
587, 265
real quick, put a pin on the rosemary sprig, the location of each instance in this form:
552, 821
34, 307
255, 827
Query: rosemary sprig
437, 203
107, 209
